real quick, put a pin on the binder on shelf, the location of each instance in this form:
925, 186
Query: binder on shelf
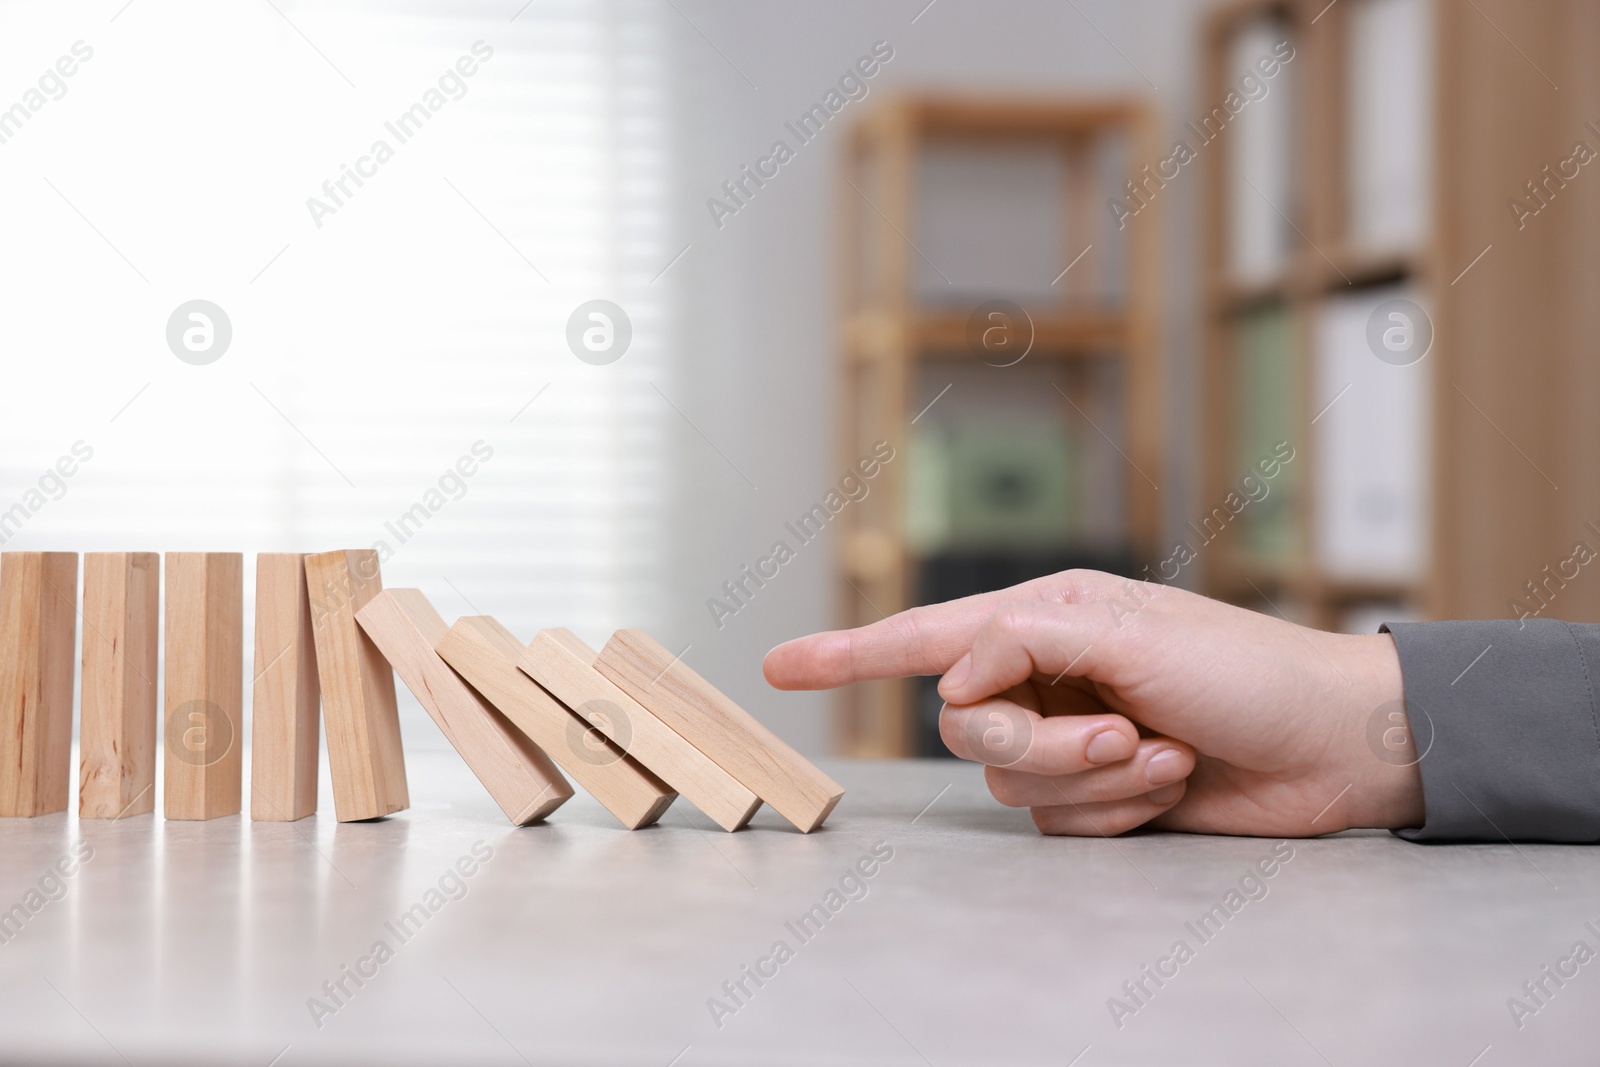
1388, 113
1370, 445
1259, 142
928, 490
1267, 387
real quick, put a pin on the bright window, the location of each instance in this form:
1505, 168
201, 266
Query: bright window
414, 321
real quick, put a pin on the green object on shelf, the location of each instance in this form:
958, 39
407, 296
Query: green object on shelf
992, 485
928, 491
1266, 387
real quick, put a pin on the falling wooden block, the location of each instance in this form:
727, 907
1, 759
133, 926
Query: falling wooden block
522, 780
38, 621
117, 721
358, 703
202, 710
721, 729
485, 654
564, 666
286, 694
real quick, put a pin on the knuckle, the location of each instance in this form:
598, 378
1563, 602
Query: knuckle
1081, 583
907, 629
1012, 619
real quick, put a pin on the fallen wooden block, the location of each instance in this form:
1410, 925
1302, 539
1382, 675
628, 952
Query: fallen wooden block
485, 654
363, 722
520, 777
203, 701
117, 720
721, 729
38, 621
286, 694
564, 666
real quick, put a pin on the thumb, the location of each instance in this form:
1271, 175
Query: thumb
1023, 640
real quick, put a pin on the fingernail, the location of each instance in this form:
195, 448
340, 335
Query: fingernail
1166, 794
1108, 746
1165, 766
956, 675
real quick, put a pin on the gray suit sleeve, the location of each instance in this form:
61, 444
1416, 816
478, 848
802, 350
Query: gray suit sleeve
1504, 716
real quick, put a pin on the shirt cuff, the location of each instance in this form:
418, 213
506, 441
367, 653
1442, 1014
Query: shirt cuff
1504, 717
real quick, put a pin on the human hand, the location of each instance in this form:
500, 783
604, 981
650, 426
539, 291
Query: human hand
1251, 725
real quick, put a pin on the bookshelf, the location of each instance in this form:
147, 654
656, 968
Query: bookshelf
1318, 217
1046, 412
1460, 485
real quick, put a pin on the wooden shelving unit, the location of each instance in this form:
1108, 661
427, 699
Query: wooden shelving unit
1507, 409
890, 335
1323, 264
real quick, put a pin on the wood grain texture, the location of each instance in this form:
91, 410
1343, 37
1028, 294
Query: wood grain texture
520, 777
564, 666
721, 729
286, 695
485, 654
38, 622
117, 717
202, 709
1515, 376
358, 701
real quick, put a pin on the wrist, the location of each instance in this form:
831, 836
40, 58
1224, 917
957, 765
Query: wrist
1381, 756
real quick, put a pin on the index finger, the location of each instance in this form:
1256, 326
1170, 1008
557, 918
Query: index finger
923, 640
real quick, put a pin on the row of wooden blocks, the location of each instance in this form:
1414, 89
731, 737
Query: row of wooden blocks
632, 724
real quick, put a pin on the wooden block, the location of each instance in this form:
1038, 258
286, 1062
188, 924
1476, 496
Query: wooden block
721, 729
485, 654
38, 623
358, 704
117, 721
286, 695
520, 777
202, 710
564, 666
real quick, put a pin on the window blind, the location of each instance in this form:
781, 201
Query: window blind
398, 374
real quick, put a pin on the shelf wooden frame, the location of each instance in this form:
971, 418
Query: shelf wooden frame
884, 335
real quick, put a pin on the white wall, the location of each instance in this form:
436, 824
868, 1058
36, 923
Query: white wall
757, 305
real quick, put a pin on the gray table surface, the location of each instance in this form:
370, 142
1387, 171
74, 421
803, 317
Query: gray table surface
979, 942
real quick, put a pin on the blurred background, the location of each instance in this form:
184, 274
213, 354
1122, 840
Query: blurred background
737, 321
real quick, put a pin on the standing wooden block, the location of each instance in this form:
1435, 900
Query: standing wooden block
561, 663
117, 724
721, 729
520, 777
485, 654
358, 703
38, 622
203, 709
286, 694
